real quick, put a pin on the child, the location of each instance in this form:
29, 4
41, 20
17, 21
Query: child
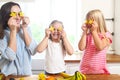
56, 44
95, 41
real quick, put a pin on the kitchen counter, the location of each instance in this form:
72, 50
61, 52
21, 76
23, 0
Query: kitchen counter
89, 77
111, 58
103, 77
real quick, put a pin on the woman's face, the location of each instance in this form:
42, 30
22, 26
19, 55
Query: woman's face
16, 10
56, 34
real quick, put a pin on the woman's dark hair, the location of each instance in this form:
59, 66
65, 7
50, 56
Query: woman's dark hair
5, 15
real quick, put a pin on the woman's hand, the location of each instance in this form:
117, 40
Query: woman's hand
25, 22
12, 24
84, 28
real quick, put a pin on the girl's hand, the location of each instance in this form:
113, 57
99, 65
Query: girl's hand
63, 34
25, 22
47, 32
94, 27
84, 28
12, 24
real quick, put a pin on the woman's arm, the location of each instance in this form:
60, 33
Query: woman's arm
13, 30
7, 49
27, 38
29, 41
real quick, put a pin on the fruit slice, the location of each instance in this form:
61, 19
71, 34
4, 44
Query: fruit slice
80, 76
51, 28
90, 21
21, 14
60, 28
50, 78
13, 14
41, 76
22, 78
65, 75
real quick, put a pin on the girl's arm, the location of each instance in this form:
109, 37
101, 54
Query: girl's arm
82, 42
41, 46
66, 44
100, 43
44, 43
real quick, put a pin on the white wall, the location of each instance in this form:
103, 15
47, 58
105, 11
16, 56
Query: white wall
107, 8
117, 27
114, 68
17, 0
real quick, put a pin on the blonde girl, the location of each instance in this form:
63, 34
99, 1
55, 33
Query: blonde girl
94, 42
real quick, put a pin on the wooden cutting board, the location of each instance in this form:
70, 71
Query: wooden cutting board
33, 77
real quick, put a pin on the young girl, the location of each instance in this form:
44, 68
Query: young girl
56, 44
95, 41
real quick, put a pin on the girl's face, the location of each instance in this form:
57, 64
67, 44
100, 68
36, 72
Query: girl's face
15, 9
56, 33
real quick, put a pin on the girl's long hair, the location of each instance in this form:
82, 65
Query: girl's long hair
99, 18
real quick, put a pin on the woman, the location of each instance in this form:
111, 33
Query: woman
16, 42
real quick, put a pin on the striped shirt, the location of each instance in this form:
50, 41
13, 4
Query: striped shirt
94, 61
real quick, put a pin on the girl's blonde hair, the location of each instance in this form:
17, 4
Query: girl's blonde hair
99, 18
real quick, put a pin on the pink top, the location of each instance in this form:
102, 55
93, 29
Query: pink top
94, 61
